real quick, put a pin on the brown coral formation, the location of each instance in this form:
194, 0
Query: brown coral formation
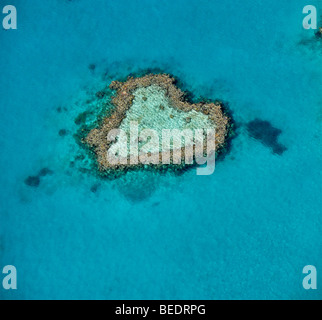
319, 33
122, 102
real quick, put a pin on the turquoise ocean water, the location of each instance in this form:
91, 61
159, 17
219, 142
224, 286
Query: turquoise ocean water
245, 232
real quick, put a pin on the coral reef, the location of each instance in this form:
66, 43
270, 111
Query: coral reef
95, 187
81, 118
44, 172
32, 181
61, 109
62, 132
318, 34
154, 102
92, 67
268, 135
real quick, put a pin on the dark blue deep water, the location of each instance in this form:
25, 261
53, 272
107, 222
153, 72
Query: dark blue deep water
245, 232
